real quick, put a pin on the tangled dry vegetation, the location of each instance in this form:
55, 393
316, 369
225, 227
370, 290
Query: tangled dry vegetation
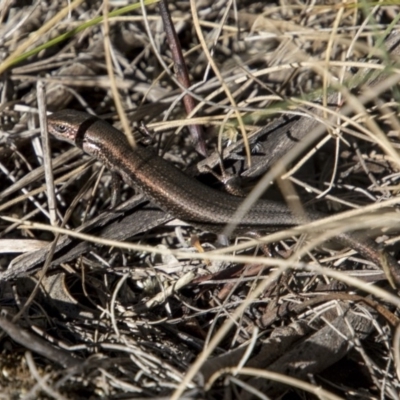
125, 301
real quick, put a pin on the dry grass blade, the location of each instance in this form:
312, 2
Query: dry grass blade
129, 302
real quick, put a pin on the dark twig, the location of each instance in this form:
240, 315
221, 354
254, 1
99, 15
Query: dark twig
38, 345
182, 75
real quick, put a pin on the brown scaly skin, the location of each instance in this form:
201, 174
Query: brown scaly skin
183, 196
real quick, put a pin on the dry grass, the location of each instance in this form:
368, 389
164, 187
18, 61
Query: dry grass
129, 307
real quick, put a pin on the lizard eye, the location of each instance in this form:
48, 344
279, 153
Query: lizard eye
61, 128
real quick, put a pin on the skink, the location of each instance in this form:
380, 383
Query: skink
181, 195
